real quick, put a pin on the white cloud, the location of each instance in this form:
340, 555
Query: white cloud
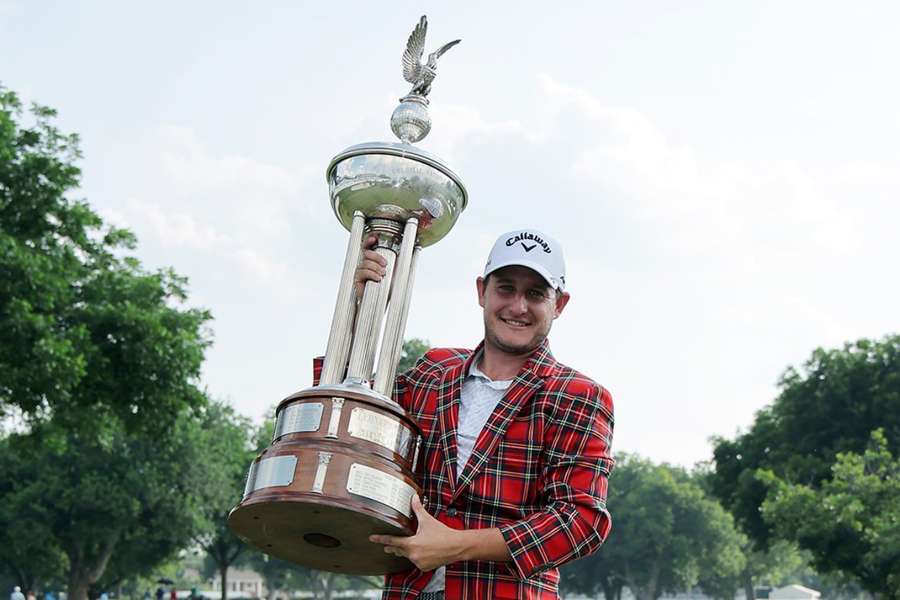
177, 229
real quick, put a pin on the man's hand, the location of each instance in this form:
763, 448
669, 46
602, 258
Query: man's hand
434, 544
372, 266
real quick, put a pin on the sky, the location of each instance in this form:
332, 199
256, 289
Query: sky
724, 177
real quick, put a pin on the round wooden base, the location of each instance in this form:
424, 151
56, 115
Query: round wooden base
319, 533
339, 470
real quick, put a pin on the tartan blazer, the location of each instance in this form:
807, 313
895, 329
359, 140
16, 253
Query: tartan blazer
538, 472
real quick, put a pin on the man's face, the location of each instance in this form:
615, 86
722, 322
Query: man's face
519, 308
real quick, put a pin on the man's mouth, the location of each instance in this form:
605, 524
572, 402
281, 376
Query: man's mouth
515, 323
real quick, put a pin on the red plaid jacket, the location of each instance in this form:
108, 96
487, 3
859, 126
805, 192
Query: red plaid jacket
538, 471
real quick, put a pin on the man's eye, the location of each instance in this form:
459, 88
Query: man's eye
506, 289
536, 295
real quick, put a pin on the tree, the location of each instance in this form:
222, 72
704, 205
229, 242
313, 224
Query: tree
851, 523
102, 359
119, 501
411, 352
828, 406
668, 536
72, 309
831, 405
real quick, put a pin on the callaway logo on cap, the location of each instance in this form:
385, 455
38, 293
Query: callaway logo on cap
529, 248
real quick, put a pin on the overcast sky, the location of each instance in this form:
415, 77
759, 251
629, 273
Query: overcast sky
723, 176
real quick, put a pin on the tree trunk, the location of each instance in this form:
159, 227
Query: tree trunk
327, 580
642, 592
83, 571
223, 579
748, 587
77, 589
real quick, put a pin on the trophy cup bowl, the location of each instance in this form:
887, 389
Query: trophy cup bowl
396, 181
340, 466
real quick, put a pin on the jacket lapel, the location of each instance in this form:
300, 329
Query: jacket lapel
448, 416
526, 384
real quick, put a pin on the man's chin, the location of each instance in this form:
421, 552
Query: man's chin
516, 348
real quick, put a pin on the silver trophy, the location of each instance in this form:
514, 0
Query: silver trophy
340, 466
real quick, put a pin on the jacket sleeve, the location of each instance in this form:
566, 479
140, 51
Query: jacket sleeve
574, 521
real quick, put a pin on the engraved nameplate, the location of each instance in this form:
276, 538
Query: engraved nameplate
374, 427
298, 418
381, 487
271, 472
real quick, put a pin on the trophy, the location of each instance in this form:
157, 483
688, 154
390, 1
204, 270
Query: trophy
340, 466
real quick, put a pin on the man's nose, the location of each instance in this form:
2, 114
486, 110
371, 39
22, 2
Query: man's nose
520, 304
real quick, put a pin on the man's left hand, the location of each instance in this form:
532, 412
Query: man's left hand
434, 544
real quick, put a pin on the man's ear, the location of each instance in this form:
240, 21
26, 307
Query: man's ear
479, 283
562, 298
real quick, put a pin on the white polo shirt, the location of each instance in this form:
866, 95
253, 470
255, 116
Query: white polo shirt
477, 400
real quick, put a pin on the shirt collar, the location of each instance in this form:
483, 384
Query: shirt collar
475, 372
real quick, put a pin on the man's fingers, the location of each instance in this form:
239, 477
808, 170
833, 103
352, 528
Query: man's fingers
370, 241
417, 507
387, 540
370, 256
369, 273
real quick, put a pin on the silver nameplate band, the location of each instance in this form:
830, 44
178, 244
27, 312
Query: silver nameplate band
271, 472
373, 484
297, 418
374, 427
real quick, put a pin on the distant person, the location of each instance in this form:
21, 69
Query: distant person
160, 593
146, 595
30, 595
173, 595
17, 594
49, 595
104, 596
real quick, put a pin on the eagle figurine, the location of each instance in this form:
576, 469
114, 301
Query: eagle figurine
414, 71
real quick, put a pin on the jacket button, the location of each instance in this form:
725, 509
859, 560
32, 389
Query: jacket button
451, 512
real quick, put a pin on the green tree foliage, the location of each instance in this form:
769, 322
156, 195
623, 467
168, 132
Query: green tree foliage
116, 501
412, 351
102, 359
851, 522
829, 406
82, 328
668, 537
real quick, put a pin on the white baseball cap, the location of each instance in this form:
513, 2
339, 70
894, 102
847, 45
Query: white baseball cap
529, 248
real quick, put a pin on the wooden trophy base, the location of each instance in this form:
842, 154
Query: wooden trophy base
319, 534
339, 470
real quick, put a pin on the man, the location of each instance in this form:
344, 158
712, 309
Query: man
17, 594
515, 451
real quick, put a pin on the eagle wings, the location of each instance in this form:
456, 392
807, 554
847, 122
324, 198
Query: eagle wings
414, 70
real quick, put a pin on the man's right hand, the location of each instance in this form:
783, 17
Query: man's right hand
372, 266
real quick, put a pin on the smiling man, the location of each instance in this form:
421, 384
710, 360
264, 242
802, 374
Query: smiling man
515, 452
